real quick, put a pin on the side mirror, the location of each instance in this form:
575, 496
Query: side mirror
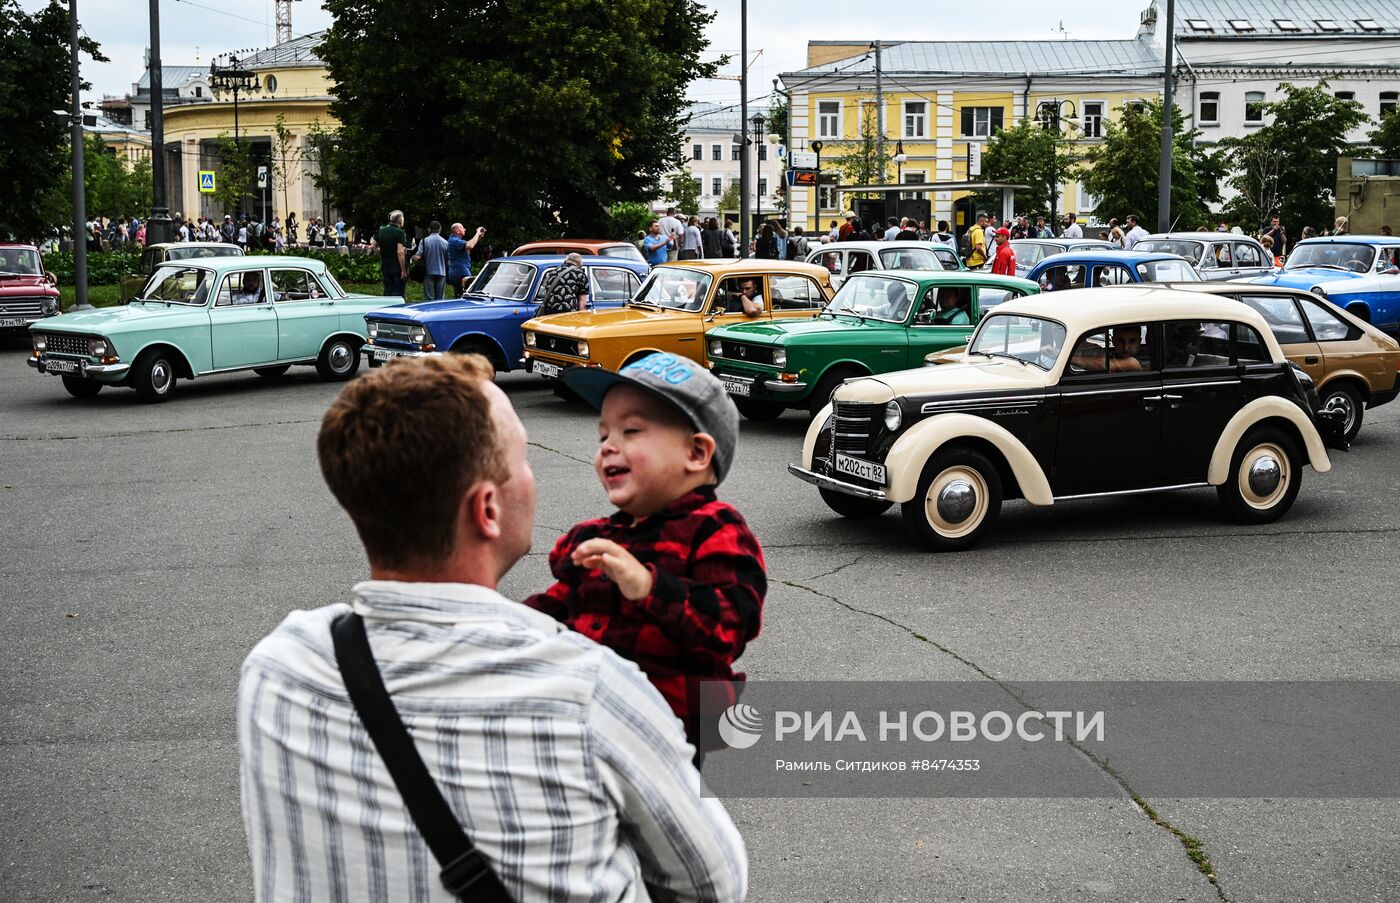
52, 279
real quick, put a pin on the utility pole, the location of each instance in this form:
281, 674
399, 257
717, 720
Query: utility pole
158, 223
1164, 166
743, 134
80, 230
880, 112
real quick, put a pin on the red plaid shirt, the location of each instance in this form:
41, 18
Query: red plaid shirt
706, 600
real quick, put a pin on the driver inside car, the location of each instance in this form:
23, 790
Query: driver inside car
1122, 357
950, 312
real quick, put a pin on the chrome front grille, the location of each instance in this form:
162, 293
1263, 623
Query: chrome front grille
21, 307
556, 344
395, 330
56, 343
742, 351
853, 425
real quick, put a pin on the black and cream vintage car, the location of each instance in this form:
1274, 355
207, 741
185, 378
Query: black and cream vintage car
1085, 393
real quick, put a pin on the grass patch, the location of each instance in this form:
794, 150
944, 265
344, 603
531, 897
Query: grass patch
1195, 850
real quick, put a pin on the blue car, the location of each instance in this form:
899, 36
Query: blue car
1358, 273
1090, 269
486, 319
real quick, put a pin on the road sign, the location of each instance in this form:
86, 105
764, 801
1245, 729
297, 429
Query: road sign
206, 181
804, 160
802, 177
262, 176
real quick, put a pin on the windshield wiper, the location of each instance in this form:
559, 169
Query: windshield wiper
852, 311
637, 302
1325, 266
1006, 354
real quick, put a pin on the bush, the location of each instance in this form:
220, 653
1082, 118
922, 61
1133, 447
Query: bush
104, 267
356, 266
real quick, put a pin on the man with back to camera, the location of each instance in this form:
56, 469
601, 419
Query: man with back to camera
565, 768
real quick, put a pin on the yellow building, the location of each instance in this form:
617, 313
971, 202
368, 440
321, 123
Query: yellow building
122, 140
292, 82
940, 101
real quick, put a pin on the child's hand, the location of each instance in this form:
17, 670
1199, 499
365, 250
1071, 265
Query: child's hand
630, 575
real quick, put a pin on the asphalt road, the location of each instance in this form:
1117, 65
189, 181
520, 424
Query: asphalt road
149, 547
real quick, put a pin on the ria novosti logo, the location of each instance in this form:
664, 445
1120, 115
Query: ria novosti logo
740, 726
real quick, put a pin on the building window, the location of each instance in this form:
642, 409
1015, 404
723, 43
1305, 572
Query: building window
717, 152
762, 151
271, 84
1093, 118
826, 197
915, 119
1328, 25
1369, 25
735, 150
1241, 25
198, 91
1254, 107
1199, 25
699, 185
697, 152
1346, 95
1210, 107
762, 186
1388, 101
716, 186
829, 119
914, 177
981, 122
1287, 25
1136, 105
1087, 202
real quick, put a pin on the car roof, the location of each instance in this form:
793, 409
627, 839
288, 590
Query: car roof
1088, 308
249, 262
1201, 236
958, 277
1350, 240
739, 267
875, 246
194, 244
1109, 256
552, 259
1098, 242
17, 244
579, 243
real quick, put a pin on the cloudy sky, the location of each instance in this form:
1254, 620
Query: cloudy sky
194, 30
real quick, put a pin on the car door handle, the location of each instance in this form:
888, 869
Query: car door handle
1150, 401
688, 338
890, 350
1173, 400
1310, 359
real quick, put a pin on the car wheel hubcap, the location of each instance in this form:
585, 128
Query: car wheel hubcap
1264, 476
956, 502
160, 377
340, 358
1342, 402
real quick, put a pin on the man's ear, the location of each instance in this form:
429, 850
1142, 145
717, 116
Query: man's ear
701, 453
480, 512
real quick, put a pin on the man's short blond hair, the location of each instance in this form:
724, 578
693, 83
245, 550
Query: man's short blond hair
403, 445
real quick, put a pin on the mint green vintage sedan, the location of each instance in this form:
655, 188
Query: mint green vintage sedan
212, 315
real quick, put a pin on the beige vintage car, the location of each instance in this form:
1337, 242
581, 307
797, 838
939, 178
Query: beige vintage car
1355, 365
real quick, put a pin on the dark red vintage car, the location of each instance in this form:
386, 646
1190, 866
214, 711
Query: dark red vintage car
28, 293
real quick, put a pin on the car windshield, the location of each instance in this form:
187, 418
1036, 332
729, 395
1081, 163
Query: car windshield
910, 259
198, 251
509, 280
20, 262
1029, 253
1167, 271
178, 285
1356, 258
622, 252
1030, 339
1191, 250
675, 288
874, 297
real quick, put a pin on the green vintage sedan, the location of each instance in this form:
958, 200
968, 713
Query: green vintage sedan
878, 322
212, 315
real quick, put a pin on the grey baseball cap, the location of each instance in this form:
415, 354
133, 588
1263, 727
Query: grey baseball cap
680, 382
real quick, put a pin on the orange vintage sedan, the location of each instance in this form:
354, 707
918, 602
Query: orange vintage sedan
672, 311
598, 247
1355, 365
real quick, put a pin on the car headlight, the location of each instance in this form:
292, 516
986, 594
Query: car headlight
779, 357
101, 348
419, 335
716, 348
50, 306
373, 328
582, 349
893, 416
40, 341
529, 339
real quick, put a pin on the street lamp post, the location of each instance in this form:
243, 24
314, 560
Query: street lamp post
757, 121
1051, 111
158, 223
232, 76
900, 157
817, 201
75, 125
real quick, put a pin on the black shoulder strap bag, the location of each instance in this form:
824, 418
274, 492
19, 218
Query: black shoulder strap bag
465, 872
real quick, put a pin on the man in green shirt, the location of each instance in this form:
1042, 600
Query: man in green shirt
391, 241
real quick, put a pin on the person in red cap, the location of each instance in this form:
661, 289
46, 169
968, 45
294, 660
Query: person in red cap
1005, 260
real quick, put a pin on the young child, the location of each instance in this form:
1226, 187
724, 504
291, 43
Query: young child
674, 580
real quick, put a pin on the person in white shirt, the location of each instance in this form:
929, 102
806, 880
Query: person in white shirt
566, 769
893, 231
673, 229
1071, 228
1135, 232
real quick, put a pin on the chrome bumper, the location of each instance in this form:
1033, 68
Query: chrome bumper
775, 386
100, 372
826, 482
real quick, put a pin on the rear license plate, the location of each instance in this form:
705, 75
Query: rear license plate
549, 370
9, 322
61, 366
855, 467
736, 387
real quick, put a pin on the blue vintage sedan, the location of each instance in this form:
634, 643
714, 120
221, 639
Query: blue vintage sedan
1358, 273
486, 319
1090, 269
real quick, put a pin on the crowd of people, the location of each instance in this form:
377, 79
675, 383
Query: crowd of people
248, 232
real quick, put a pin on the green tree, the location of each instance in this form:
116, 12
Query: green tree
528, 114
1385, 138
778, 118
1123, 170
35, 79
628, 218
286, 162
1028, 154
111, 186
864, 165
1306, 135
684, 193
730, 199
235, 175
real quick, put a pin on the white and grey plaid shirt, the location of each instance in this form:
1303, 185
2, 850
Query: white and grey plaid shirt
567, 769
